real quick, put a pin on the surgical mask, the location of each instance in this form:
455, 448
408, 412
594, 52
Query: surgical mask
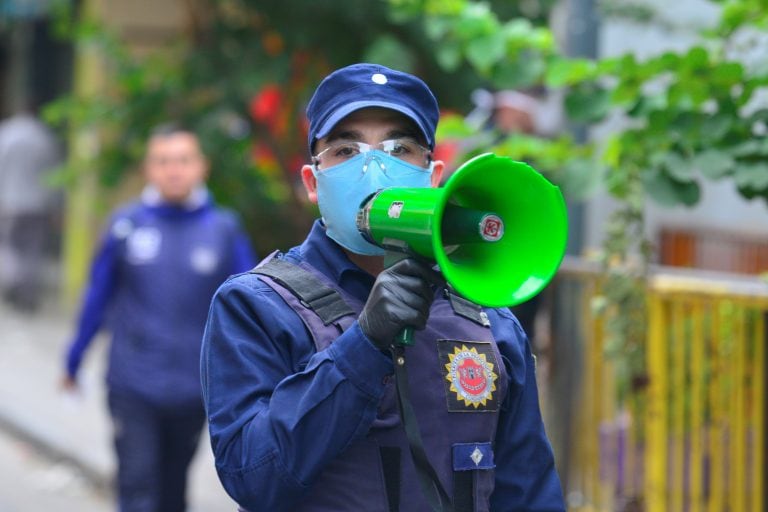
341, 189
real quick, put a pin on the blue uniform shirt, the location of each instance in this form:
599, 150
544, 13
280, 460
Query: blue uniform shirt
279, 411
152, 279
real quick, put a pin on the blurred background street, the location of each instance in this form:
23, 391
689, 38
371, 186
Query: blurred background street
650, 116
55, 446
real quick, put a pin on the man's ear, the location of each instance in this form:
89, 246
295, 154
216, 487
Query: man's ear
310, 183
438, 166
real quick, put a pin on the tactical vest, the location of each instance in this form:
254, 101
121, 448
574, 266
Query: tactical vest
457, 383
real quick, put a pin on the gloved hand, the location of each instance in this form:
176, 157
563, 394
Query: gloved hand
401, 296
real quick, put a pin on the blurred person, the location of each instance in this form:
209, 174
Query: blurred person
157, 267
29, 152
534, 111
297, 360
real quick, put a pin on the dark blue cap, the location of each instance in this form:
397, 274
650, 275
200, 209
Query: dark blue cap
370, 85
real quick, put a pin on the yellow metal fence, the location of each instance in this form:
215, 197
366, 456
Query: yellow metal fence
692, 437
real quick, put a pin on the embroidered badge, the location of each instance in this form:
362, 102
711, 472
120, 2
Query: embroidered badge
470, 375
204, 260
143, 245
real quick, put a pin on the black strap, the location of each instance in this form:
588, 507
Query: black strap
430, 483
390, 464
467, 309
311, 291
464, 491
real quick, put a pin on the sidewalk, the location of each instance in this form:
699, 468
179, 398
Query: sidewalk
74, 429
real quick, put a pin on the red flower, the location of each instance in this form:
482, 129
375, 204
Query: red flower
265, 106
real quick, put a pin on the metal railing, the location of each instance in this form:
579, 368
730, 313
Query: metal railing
692, 437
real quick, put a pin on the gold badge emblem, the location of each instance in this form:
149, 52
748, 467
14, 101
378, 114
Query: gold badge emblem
471, 376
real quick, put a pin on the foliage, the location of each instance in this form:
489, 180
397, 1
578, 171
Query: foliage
240, 77
247, 67
683, 118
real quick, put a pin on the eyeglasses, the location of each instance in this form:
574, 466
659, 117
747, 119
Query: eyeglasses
406, 150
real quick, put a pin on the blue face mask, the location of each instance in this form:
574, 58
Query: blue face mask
342, 188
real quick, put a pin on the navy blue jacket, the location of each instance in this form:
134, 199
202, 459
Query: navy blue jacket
151, 283
279, 411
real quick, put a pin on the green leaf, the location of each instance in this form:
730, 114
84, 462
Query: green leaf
476, 21
716, 127
520, 72
561, 71
647, 104
754, 176
626, 93
485, 51
667, 192
448, 56
580, 178
714, 164
668, 61
727, 74
390, 52
750, 148
679, 168
687, 93
587, 103
453, 126
436, 28
696, 58
518, 29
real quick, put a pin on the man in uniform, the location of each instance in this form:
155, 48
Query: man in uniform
296, 365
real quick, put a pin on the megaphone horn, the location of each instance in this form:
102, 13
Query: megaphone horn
497, 228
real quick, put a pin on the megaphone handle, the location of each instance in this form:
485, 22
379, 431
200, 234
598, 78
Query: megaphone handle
405, 337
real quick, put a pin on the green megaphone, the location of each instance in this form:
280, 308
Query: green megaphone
497, 228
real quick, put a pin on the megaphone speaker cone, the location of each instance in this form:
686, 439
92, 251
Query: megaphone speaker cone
497, 229
525, 258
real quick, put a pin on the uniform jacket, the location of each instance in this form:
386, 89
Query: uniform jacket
284, 411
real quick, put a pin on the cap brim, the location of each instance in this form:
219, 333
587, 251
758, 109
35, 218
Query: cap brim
347, 109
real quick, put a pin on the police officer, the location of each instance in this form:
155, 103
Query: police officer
159, 262
296, 365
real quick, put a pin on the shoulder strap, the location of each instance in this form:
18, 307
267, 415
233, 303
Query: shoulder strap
467, 309
311, 291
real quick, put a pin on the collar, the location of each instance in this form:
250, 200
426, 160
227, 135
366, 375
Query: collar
329, 258
198, 198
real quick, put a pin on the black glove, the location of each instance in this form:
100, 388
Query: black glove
401, 297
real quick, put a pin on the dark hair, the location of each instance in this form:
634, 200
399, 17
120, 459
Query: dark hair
170, 128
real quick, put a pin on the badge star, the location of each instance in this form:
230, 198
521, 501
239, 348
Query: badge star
476, 456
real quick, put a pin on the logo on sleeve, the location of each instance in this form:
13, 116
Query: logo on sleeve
470, 375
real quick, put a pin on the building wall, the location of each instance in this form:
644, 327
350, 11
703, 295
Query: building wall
722, 217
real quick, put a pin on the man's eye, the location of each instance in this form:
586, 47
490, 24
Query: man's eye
400, 148
346, 151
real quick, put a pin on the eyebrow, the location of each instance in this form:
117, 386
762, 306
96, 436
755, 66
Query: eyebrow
354, 135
